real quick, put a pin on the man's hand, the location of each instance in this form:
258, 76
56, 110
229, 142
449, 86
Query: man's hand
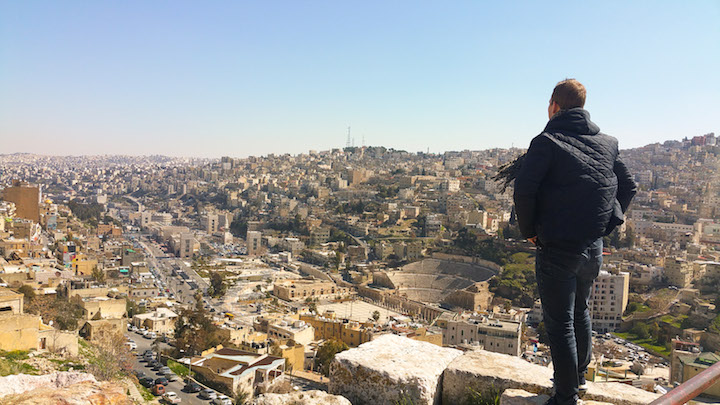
533, 240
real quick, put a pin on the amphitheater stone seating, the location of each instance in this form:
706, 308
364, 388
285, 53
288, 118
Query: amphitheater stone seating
434, 266
431, 280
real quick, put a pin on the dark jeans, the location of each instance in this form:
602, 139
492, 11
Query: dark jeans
564, 282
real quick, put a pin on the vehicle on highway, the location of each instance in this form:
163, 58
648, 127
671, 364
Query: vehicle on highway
158, 389
162, 380
192, 386
222, 400
207, 393
171, 398
147, 382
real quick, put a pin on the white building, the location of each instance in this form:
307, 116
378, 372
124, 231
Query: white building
299, 331
608, 300
492, 334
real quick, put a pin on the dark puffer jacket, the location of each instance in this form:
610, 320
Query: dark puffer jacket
572, 187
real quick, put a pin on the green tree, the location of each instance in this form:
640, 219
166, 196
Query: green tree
28, 292
542, 333
218, 286
376, 315
98, 274
326, 353
132, 308
195, 330
640, 330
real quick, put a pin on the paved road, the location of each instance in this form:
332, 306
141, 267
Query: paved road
164, 263
176, 386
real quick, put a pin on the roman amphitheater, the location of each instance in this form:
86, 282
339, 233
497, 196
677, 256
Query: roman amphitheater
434, 281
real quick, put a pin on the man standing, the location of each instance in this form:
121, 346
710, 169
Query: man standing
572, 189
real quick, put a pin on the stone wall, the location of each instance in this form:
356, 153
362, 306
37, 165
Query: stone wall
393, 369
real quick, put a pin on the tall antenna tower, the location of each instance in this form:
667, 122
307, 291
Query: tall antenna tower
363, 140
349, 140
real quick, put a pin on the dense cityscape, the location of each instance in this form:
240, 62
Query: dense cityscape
232, 280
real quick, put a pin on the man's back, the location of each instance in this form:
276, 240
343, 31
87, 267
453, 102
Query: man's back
566, 190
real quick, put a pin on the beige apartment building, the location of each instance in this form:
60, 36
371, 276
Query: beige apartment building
20, 331
608, 300
298, 290
104, 308
492, 334
254, 243
678, 272
162, 320
26, 199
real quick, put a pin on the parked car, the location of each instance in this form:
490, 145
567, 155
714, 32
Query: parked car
151, 335
158, 389
207, 393
131, 345
164, 370
162, 380
171, 398
147, 382
222, 400
192, 386
155, 365
139, 374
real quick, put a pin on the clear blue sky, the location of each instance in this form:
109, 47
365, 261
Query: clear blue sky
238, 78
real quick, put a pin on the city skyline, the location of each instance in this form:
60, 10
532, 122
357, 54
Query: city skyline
253, 79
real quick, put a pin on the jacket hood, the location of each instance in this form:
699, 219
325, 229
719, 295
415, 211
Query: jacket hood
576, 120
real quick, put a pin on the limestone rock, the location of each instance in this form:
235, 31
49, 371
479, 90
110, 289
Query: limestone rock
391, 369
83, 393
486, 372
620, 394
301, 398
19, 383
520, 397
